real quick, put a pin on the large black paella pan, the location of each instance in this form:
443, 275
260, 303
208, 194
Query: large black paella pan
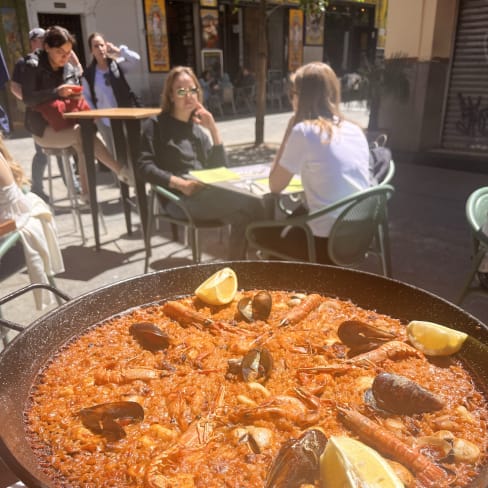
29, 352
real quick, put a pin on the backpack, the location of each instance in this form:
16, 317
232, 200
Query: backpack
379, 159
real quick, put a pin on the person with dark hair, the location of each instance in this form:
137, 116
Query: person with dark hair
50, 87
175, 143
105, 84
39, 161
330, 154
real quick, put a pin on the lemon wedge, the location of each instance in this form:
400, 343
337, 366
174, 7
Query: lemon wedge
348, 463
434, 339
218, 289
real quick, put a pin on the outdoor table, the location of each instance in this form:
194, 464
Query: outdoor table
126, 126
250, 180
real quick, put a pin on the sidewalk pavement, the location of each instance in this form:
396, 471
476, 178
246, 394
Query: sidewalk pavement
430, 242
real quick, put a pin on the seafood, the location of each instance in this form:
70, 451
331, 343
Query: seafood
389, 350
300, 311
149, 336
186, 316
426, 471
195, 437
397, 394
362, 337
101, 419
286, 407
297, 461
256, 365
126, 375
257, 307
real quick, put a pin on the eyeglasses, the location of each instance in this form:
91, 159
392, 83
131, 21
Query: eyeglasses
183, 92
107, 79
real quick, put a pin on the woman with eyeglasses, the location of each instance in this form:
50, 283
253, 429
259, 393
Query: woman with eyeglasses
51, 84
330, 154
104, 81
175, 143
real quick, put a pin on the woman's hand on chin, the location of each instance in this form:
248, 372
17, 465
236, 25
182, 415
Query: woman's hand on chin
203, 117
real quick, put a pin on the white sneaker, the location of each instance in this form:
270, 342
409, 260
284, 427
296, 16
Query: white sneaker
125, 176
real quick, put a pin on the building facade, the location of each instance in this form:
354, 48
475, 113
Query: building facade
203, 34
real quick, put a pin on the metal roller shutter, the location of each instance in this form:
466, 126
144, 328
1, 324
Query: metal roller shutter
465, 125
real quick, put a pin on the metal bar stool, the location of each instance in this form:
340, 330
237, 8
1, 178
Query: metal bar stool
68, 175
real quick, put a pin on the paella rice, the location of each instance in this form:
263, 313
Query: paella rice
184, 394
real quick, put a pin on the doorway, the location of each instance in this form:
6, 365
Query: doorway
70, 22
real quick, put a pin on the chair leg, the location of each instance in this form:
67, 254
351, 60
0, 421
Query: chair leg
384, 245
474, 268
150, 218
174, 231
193, 234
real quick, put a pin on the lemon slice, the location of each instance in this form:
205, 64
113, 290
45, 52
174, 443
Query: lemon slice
348, 463
219, 289
434, 339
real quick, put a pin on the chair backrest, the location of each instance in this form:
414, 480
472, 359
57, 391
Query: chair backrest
358, 224
477, 213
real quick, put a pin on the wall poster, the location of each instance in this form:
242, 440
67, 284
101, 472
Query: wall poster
156, 35
314, 30
295, 35
212, 60
13, 40
210, 28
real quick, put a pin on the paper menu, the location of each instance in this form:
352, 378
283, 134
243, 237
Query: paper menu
215, 175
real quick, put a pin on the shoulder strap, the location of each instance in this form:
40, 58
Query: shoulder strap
90, 79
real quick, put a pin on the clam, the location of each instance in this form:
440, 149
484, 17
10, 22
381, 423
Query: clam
397, 394
297, 461
101, 419
149, 336
362, 337
256, 365
257, 307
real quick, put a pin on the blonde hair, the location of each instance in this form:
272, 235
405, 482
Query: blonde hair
318, 94
17, 170
166, 102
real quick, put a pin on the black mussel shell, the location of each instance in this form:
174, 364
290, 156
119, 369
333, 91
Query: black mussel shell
397, 394
257, 307
261, 305
149, 336
297, 461
101, 419
256, 365
244, 306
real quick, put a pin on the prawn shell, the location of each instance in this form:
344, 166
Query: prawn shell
397, 394
149, 336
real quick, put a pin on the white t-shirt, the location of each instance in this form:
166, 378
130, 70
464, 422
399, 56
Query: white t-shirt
329, 171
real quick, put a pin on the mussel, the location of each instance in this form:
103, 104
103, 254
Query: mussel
362, 337
101, 419
256, 365
297, 461
149, 336
397, 394
257, 307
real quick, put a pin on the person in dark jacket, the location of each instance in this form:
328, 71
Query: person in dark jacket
104, 82
174, 143
49, 81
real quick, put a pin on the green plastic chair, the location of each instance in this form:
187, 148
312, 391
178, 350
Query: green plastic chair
192, 225
476, 214
7, 242
360, 229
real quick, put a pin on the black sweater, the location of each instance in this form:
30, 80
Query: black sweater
172, 147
